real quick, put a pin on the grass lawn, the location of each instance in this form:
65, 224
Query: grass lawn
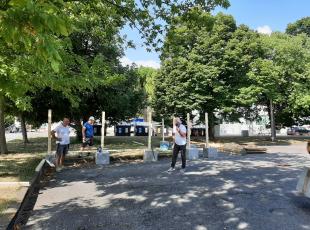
19, 165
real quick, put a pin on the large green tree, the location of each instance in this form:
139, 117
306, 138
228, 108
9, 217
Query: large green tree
29, 39
205, 60
281, 76
35, 53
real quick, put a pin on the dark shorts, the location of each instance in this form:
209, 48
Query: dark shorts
88, 141
62, 149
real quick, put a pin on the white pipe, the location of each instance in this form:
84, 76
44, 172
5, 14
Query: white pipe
188, 131
150, 130
163, 127
49, 130
207, 129
102, 129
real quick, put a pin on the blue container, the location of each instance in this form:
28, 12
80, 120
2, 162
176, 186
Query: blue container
164, 145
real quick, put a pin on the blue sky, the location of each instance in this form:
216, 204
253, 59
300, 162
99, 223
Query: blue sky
262, 15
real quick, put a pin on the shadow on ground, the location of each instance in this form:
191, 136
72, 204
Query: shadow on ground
231, 192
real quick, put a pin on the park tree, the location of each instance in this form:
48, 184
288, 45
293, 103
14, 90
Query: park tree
299, 27
29, 39
34, 45
147, 76
205, 60
279, 79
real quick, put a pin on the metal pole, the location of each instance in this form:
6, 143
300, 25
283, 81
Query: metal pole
163, 127
207, 129
272, 123
102, 129
188, 131
49, 130
150, 130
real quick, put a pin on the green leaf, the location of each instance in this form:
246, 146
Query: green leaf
55, 65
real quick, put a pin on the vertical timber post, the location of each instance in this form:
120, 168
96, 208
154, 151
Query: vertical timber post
207, 130
102, 129
49, 130
163, 128
150, 129
188, 131
272, 123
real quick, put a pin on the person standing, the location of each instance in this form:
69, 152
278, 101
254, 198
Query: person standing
179, 145
88, 133
62, 135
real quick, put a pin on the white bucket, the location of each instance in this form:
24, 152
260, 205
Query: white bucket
102, 157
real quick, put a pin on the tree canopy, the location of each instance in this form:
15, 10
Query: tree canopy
73, 46
299, 27
212, 65
204, 61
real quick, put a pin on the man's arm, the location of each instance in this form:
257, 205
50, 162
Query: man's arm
183, 134
53, 132
83, 133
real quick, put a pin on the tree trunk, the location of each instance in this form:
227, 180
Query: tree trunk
272, 122
211, 125
24, 129
3, 146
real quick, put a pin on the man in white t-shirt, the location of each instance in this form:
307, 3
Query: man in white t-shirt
179, 133
62, 135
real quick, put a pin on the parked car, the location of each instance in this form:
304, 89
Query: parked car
297, 131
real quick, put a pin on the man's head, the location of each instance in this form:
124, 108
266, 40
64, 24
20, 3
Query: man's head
177, 121
91, 120
65, 121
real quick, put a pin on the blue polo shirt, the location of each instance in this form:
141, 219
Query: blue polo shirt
89, 132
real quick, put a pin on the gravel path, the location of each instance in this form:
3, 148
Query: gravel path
230, 192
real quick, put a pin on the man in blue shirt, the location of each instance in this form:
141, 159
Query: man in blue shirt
88, 133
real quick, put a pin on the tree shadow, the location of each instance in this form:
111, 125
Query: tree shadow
231, 192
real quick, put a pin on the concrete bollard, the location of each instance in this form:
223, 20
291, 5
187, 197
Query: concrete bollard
212, 153
102, 157
203, 153
192, 153
303, 185
150, 156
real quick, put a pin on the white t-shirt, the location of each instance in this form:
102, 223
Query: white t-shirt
63, 133
179, 140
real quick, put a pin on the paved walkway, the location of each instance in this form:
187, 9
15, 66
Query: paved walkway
231, 192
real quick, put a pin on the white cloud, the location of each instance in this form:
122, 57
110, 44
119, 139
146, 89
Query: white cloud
147, 63
264, 30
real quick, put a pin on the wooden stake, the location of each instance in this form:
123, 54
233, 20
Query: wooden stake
207, 129
49, 130
102, 129
188, 132
173, 125
150, 130
163, 127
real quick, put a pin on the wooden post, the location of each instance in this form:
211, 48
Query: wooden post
150, 129
163, 127
102, 129
207, 129
188, 131
49, 130
173, 125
